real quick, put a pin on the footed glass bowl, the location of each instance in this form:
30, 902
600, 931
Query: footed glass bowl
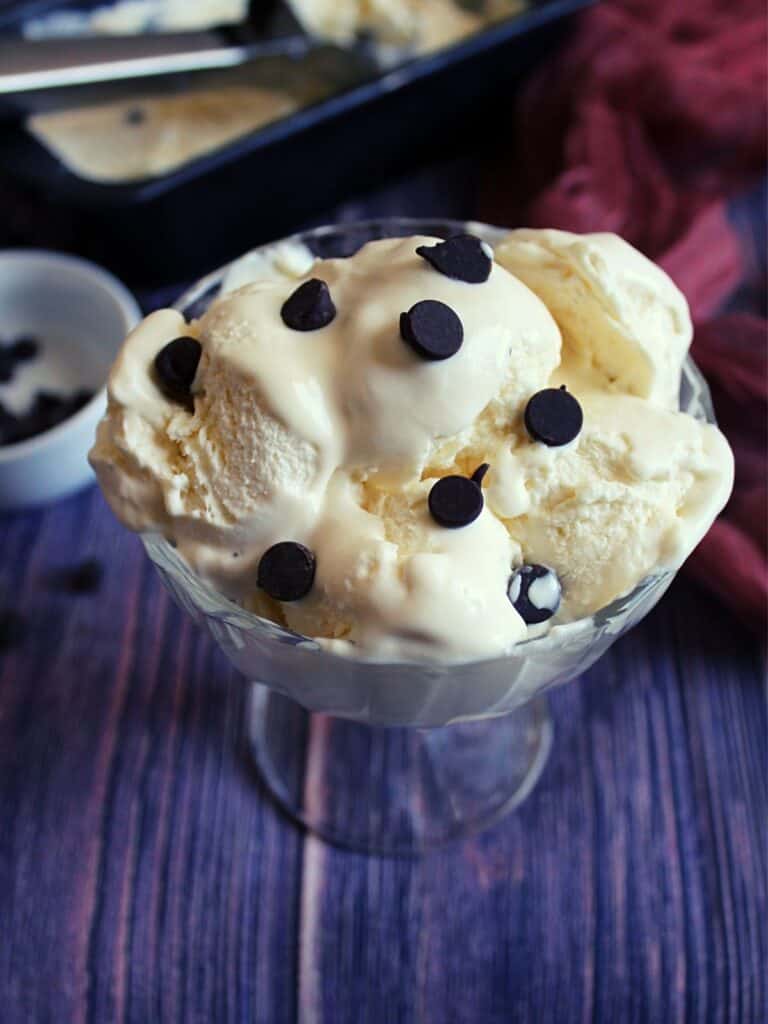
397, 757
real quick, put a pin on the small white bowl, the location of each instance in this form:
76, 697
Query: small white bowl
81, 314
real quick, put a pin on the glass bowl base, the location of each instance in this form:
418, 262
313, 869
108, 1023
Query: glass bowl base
395, 791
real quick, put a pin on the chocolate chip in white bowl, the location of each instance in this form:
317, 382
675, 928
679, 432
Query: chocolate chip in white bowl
25, 348
7, 367
55, 394
16, 351
46, 411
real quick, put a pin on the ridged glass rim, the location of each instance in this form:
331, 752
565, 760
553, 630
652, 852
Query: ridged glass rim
161, 552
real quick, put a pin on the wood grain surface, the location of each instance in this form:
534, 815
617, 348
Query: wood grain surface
146, 877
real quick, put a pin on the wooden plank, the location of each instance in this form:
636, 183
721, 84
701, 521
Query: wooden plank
144, 877
631, 886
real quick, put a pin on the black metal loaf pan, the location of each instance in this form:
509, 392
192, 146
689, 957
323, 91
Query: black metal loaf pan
265, 184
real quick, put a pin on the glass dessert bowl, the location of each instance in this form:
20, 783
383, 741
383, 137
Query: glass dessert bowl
397, 757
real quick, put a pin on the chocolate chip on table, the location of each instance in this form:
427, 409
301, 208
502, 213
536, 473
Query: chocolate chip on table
432, 329
287, 571
462, 257
309, 308
456, 501
553, 416
84, 578
535, 592
175, 367
12, 629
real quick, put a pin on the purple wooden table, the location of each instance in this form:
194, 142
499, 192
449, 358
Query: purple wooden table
145, 877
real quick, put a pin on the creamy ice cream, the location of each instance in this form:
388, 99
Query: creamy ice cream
377, 451
142, 137
418, 26
623, 321
422, 24
129, 17
163, 125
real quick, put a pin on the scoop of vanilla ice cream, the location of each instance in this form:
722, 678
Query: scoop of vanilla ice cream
400, 408
206, 474
203, 478
620, 315
636, 491
342, 20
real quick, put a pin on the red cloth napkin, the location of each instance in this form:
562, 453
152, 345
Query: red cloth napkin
650, 118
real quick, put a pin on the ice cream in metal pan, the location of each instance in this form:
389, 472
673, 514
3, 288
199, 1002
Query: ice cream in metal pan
144, 134
426, 451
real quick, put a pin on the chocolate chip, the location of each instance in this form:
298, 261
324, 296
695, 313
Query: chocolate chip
12, 629
309, 308
47, 410
47, 403
553, 416
77, 401
9, 426
175, 366
23, 349
457, 501
84, 578
287, 571
432, 329
7, 366
535, 592
462, 257
135, 116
